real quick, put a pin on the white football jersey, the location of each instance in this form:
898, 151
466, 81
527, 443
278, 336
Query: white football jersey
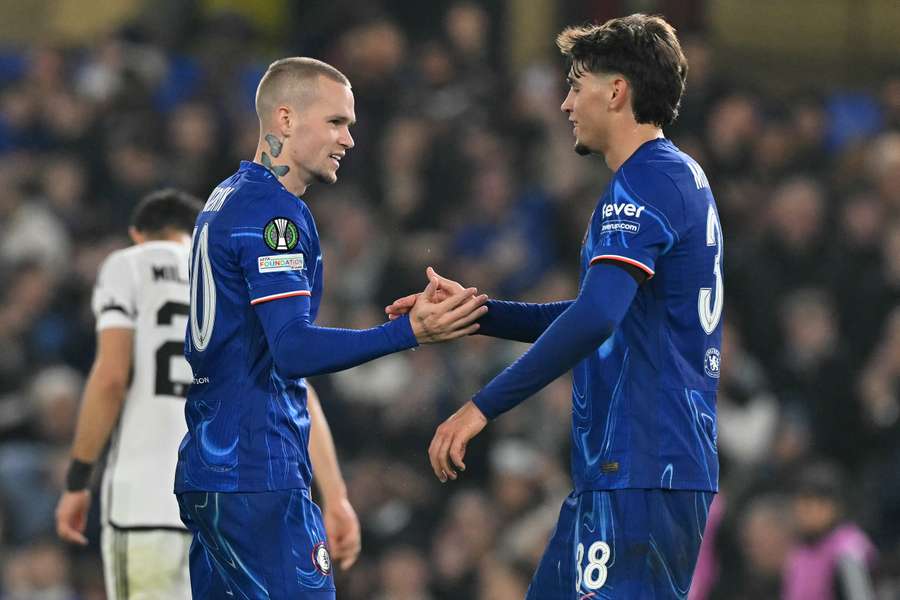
145, 288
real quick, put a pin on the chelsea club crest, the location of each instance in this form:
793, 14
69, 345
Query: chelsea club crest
711, 362
321, 558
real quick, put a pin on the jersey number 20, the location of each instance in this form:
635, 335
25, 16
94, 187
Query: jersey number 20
201, 273
710, 301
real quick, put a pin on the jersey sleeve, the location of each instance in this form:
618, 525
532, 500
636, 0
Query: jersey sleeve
641, 221
114, 298
274, 249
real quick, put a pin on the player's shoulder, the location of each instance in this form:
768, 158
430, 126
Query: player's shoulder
121, 259
150, 251
647, 188
664, 177
116, 275
277, 205
650, 169
254, 191
667, 167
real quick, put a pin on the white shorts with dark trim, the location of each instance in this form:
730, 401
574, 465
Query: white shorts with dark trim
146, 564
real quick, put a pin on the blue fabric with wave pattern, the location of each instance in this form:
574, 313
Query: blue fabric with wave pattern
283, 555
633, 544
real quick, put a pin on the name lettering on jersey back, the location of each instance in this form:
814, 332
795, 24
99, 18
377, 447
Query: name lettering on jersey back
700, 179
167, 273
628, 209
217, 199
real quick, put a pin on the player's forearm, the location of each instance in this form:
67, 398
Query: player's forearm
519, 321
322, 452
578, 331
100, 409
302, 350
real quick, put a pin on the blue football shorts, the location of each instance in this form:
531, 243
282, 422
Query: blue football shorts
629, 544
257, 545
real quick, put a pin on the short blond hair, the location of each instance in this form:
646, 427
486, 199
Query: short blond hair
292, 77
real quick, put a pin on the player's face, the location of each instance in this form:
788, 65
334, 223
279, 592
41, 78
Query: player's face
586, 105
322, 135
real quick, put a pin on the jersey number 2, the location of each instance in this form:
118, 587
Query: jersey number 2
167, 351
710, 301
202, 273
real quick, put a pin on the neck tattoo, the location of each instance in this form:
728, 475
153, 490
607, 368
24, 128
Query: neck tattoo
275, 144
275, 147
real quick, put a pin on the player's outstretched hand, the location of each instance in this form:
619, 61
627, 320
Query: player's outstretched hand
448, 447
434, 320
443, 288
342, 528
71, 516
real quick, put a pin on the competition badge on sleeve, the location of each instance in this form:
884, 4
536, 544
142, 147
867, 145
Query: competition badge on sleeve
281, 234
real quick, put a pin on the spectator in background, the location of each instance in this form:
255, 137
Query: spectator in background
32, 468
747, 410
750, 545
833, 558
810, 375
39, 572
404, 575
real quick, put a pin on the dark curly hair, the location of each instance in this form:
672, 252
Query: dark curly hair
643, 48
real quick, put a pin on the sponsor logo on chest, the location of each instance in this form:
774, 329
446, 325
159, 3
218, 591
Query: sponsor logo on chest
626, 209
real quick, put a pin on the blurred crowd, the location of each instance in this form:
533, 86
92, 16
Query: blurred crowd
464, 164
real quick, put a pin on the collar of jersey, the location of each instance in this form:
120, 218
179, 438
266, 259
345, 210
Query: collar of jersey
646, 146
258, 170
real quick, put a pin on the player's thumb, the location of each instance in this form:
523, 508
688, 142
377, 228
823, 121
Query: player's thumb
457, 452
442, 281
434, 284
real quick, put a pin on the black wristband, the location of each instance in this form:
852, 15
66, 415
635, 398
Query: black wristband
79, 475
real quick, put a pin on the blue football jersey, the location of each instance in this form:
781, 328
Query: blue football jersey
644, 412
248, 427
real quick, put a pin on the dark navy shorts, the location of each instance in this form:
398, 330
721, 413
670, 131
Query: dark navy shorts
624, 544
257, 545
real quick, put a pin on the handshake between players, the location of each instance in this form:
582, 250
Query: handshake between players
448, 447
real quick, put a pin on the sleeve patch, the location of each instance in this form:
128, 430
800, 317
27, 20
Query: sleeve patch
281, 234
280, 262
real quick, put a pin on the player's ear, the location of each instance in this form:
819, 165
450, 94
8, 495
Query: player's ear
136, 236
618, 93
284, 120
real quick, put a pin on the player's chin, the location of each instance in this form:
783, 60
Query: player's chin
327, 176
581, 149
